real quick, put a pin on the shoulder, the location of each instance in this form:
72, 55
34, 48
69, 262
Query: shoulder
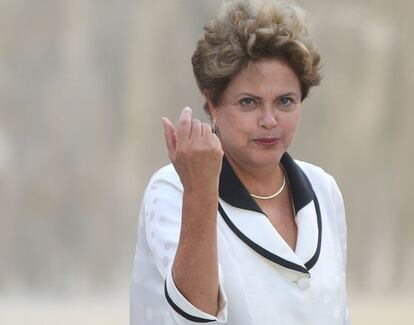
163, 187
321, 181
165, 177
313, 171
330, 200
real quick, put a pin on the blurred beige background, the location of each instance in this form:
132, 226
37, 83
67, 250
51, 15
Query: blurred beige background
83, 85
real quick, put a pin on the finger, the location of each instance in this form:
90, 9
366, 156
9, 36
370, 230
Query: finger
195, 129
205, 130
170, 136
184, 124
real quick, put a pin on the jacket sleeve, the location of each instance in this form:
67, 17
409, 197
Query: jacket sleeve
162, 213
339, 211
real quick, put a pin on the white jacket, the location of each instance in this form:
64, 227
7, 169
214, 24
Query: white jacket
262, 280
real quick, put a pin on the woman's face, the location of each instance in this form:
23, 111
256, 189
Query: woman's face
259, 113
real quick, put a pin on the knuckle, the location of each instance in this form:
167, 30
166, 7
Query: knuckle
206, 127
181, 151
183, 121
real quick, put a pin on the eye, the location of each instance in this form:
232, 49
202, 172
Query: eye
286, 102
247, 102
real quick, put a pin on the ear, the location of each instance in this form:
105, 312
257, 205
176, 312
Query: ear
211, 107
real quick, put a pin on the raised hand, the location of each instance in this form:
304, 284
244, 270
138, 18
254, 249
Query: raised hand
194, 150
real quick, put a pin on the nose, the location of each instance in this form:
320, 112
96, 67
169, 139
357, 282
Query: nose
268, 118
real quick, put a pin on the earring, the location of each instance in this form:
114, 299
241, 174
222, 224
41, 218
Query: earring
216, 130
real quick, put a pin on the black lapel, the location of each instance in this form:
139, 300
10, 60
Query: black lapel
233, 192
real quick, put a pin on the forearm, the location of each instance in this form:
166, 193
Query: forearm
195, 267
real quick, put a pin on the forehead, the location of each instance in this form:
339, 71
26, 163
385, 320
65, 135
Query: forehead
265, 76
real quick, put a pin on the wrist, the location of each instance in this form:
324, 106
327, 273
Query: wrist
203, 193
200, 211
208, 187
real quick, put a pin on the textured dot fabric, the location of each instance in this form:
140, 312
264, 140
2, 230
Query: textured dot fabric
262, 280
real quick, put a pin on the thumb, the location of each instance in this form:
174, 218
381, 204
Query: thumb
170, 137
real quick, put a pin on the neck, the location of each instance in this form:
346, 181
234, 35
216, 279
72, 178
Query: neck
259, 180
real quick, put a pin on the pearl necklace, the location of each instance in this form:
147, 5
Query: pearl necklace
273, 195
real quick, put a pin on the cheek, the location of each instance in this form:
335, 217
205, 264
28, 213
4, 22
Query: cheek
294, 123
243, 127
290, 124
295, 116
237, 129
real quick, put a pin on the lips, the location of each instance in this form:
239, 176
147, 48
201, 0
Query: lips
267, 141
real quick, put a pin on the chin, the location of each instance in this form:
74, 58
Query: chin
270, 155
256, 158
266, 160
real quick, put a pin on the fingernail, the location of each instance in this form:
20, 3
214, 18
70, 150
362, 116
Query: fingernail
164, 122
187, 109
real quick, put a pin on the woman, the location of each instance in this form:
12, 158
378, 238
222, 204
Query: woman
235, 231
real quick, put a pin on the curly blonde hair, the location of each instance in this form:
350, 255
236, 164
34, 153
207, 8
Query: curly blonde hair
249, 30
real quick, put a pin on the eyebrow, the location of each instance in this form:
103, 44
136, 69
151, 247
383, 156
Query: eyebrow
293, 94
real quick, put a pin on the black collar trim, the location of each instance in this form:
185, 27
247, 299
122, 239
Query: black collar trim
311, 263
259, 249
300, 186
233, 192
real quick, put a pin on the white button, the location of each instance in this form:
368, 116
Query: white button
303, 283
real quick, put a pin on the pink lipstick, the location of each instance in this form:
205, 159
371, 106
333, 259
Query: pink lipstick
267, 141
